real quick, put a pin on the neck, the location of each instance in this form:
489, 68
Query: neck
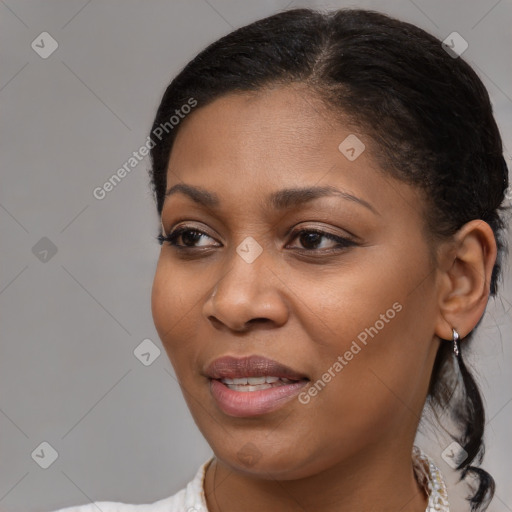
378, 480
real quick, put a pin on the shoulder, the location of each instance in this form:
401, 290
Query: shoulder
189, 499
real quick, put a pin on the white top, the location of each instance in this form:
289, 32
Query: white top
191, 498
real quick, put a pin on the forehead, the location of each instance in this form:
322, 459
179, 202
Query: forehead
273, 132
251, 144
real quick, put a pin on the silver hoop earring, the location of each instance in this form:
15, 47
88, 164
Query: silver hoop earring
456, 338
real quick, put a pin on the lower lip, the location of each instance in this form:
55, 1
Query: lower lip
253, 403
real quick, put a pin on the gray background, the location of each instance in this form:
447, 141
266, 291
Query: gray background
70, 325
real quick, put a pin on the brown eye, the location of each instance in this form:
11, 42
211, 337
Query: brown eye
310, 239
189, 236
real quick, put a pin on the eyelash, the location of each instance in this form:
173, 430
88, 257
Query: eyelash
342, 242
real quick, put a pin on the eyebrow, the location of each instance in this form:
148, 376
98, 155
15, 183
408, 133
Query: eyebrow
280, 200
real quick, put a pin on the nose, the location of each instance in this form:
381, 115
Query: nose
247, 294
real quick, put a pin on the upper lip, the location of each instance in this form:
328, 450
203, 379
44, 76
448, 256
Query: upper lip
229, 367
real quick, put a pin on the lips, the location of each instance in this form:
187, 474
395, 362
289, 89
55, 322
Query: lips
253, 366
252, 386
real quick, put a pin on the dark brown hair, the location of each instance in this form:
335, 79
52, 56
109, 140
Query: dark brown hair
430, 119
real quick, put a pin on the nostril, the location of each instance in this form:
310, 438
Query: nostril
258, 320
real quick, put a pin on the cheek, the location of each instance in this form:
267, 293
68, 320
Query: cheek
380, 322
382, 291
160, 300
177, 298
171, 302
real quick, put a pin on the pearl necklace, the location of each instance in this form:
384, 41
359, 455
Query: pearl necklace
430, 478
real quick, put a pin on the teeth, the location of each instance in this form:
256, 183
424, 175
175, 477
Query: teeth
247, 387
254, 381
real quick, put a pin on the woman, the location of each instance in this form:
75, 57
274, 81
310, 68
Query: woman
330, 190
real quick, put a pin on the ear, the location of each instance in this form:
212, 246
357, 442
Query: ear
465, 269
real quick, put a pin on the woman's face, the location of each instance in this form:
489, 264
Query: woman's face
352, 316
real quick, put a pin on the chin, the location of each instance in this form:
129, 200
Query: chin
266, 462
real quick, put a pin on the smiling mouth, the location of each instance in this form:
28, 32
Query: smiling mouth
254, 396
250, 384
